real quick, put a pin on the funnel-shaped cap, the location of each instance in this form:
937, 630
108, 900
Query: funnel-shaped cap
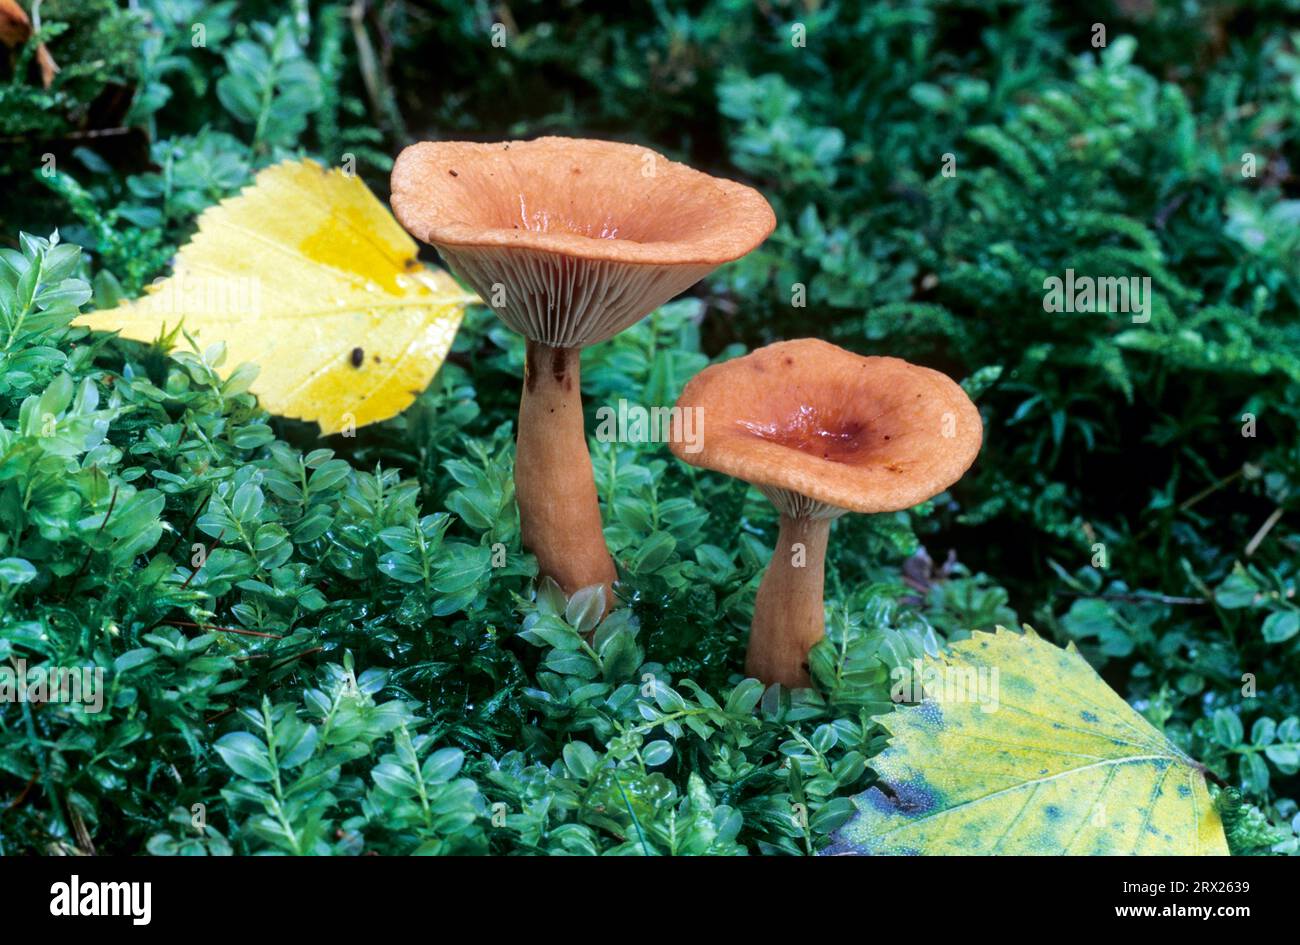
821, 430
572, 240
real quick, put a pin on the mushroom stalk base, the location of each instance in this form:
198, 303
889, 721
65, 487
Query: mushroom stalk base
788, 614
559, 512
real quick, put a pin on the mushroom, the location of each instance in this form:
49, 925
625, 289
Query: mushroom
569, 241
822, 431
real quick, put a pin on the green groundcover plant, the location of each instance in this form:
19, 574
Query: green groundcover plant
338, 645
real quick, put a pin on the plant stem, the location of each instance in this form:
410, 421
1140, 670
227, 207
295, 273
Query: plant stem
268, 731
21, 315
788, 614
1264, 529
559, 512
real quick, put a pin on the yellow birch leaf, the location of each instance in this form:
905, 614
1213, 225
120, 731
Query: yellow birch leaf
308, 276
1020, 748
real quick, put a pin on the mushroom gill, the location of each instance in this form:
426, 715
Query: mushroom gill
569, 241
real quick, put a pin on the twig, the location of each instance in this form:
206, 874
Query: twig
194, 573
290, 659
1138, 597
1263, 531
239, 630
22, 796
1208, 491
71, 135
1188, 503
190, 522
87, 846
378, 89
85, 562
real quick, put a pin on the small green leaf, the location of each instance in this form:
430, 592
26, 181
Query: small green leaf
15, 571
247, 756
442, 765
585, 608
134, 659
657, 753
580, 759
1228, 730
1281, 626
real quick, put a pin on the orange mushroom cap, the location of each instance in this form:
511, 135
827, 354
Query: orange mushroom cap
15, 26
821, 430
16, 29
586, 237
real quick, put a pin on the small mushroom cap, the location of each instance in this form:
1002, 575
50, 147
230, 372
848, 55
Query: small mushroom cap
861, 434
584, 237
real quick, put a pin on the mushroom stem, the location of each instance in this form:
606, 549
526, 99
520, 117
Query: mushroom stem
559, 513
788, 614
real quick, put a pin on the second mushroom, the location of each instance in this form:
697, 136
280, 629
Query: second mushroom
821, 431
569, 241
